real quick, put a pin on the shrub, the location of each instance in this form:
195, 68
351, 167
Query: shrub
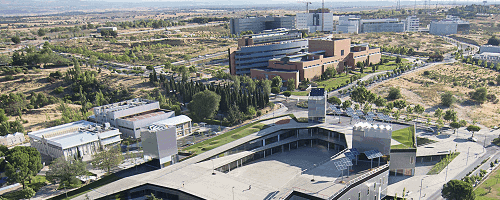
394, 93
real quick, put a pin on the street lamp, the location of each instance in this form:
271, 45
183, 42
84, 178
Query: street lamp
313, 173
421, 187
213, 167
233, 192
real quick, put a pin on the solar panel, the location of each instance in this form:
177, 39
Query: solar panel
349, 113
350, 155
370, 114
338, 111
360, 113
355, 117
380, 116
340, 165
355, 151
347, 162
377, 153
369, 118
369, 154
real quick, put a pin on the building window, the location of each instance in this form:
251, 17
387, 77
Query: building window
412, 160
374, 186
341, 52
359, 195
368, 191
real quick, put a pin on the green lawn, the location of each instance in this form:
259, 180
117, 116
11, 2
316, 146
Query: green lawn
301, 93
405, 137
80, 191
339, 80
36, 184
483, 191
225, 138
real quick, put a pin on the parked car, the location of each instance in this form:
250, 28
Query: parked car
472, 139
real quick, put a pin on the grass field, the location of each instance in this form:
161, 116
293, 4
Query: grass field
405, 137
301, 93
490, 188
36, 184
438, 167
339, 80
225, 138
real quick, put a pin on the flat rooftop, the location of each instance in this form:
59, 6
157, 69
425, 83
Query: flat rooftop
145, 115
73, 134
125, 104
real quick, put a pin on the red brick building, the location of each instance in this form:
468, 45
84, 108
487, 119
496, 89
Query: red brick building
322, 54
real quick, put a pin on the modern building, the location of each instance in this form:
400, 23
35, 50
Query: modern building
450, 25
69, 139
12, 139
316, 105
106, 28
159, 142
259, 24
489, 49
254, 51
316, 20
324, 53
412, 24
348, 24
285, 161
381, 25
182, 124
489, 57
131, 115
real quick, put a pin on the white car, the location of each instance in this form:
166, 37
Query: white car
472, 139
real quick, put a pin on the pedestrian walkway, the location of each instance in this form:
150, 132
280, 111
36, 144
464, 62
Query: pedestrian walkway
433, 183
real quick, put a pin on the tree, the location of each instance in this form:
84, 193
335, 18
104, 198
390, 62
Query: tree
457, 190
290, 84
398, 59
334, 100
447, 99
450, 115
107, 159
480, 95
41, 32
493, 41
455, 126
360, 65
360, 94
394, 93
22, 164
346, 104
275, 90
438, 113
66, 170
380, 102
16, 39
204, 104
266, 86
27, 193
473, 129
287, 94
277, 82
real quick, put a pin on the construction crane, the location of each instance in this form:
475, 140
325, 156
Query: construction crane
307, 5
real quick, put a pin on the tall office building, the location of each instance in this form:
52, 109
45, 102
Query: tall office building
412, 24
259, 24
314, 21
348, 24
450, 25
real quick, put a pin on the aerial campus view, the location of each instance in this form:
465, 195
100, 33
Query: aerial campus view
285, 100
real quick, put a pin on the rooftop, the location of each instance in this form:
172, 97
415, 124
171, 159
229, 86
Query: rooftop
317, 92
145, 115
173, 121
125, 104
73, 134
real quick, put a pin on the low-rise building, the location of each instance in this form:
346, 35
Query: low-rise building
489, 49
381, 25
131, 115
448, 26
159, 142
259, 24
106, 28
182, 124
489, 57
12, 139
324, 53
348, 24
69, 139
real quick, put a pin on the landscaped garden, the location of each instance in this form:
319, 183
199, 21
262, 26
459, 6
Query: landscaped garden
404, 136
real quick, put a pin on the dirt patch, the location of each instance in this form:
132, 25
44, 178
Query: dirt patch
459, 79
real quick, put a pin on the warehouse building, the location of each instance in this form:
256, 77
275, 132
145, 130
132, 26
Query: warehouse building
69, 139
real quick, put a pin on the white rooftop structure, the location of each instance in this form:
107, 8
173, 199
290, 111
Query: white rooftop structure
487, 56
181, 122
366, 125
68, 139
12, 139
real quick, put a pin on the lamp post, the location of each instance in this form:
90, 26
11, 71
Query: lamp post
233, 192
65, 191
467, 161
213, 167
420, 195
314, 166
447, 166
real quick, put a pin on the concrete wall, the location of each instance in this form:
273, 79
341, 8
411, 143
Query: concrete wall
403, 159
160, 143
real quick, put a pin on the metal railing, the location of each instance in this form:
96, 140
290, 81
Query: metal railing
359, 178
310, 192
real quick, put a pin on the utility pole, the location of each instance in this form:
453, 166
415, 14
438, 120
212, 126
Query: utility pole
467, 156
420, 195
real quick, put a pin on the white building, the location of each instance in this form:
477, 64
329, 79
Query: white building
487, 56
106, 28
131, 115
489, 49
450, 25
348, 24
412, 24
182, 124
314, 21
316, 105
160, 143
381, 25
12, 139
67, 139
